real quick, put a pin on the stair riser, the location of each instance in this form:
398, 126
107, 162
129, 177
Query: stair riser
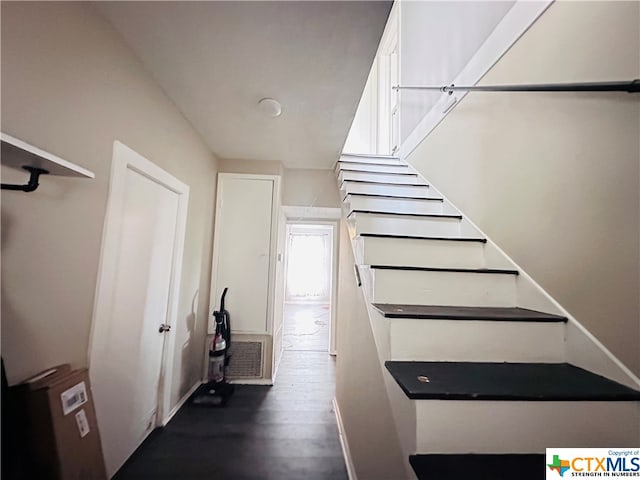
471, 426
404, 416
403, 190
395, 205
418, 226
373, 168
422, 253
432, 340
444, 288
386, 161
376, 177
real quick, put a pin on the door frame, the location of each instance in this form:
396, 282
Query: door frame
387, 116
124, 159
335, 237
324, 228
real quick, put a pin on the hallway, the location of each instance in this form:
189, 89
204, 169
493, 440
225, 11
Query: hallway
306, 327
287, 431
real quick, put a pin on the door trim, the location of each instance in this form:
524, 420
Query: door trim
333, 274
322, 216
124, 159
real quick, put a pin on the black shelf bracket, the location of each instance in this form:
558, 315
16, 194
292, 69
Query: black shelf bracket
32, 184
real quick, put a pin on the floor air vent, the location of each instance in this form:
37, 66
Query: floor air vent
246, 360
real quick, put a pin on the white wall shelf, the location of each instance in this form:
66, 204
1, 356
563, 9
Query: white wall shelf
17, 154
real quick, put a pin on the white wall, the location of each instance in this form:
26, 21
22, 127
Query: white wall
360, 388
554, 179
262, 167
362, 136
437, 40
310, 188
304, 187
71, 86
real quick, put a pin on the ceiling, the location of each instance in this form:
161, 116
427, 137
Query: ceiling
216, 60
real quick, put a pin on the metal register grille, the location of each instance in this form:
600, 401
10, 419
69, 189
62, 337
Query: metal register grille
246, 360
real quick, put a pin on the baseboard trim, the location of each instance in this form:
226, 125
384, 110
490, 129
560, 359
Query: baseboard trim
351, 471
251, 381
181, 402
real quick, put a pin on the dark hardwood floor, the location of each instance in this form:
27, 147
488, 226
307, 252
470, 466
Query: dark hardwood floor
285, 432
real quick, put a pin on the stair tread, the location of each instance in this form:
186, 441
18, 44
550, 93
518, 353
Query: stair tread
367, 155
417, 237
387, 183
397, 197
373, 163
505, 381
369, 172
446, 312
445, 269
528, 466
402, 214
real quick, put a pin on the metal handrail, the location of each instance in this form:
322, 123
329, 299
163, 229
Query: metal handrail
632, 86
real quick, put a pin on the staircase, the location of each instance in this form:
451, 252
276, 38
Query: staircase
474, 355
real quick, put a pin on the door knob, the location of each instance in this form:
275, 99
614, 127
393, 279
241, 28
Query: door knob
164, 328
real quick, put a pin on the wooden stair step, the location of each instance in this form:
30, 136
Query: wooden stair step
351, 162
395, 197
444, 312
441, 269
369, 160
374, 182
367, 155
523, 466
417, 237
401, 214
400, 190
505, 381
354, 170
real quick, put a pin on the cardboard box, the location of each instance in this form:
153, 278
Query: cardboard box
61, 427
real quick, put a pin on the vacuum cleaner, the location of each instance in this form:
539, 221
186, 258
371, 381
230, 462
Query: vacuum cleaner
217, 390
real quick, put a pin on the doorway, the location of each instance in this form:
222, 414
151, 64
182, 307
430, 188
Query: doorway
308, 287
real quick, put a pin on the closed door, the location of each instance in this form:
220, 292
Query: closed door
133, 316
242, 249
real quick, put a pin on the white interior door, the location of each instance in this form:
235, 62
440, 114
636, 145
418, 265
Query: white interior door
244, 240
137, 289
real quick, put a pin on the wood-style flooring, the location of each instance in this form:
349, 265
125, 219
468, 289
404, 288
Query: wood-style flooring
286, 432
306, 327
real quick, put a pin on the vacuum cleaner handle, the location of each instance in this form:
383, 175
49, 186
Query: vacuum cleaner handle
224, 294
